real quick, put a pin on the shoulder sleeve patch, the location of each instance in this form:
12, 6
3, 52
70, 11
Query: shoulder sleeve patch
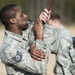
18, 57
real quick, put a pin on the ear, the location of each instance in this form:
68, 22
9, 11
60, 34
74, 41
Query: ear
12, 20
50, 21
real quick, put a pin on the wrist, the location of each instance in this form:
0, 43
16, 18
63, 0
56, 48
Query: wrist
39, 37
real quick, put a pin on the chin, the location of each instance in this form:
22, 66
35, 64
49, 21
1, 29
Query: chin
25, 27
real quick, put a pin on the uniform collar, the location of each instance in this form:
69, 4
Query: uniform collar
13, 35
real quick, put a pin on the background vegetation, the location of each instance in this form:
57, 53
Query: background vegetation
65, 8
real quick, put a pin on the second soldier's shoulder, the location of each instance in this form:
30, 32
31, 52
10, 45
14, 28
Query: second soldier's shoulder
49, 26
49, 30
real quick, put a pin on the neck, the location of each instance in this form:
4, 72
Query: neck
15, 30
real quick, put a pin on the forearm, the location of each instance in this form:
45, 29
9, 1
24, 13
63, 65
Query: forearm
26, 62
43, 46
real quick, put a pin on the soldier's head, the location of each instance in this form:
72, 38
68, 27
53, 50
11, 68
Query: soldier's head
55, 21
55, 18
13, 16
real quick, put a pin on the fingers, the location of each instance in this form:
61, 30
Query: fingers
45, 15
39, 54
46, 11
36, 58
36, 53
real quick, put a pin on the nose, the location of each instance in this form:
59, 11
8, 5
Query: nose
25, 15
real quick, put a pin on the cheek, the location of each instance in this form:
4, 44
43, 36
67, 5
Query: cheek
21, 21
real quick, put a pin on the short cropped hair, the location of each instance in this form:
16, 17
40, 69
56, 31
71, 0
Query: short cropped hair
6, 13
55, 16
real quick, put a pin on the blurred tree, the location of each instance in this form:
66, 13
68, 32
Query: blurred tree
66, 8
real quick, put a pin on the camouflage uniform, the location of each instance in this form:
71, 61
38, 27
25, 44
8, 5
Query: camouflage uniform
19, 62
59, 42
72, 55
16, 57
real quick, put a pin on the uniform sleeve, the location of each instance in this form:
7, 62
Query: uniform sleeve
21, 58
41, 45
63, 52
50, 38
72, 55
49, 43
63, 32
58, 42
72, 64
53, 36
60, 45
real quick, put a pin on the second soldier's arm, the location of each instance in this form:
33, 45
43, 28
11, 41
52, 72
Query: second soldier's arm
19, 57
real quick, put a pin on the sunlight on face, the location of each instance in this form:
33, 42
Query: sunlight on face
56, 23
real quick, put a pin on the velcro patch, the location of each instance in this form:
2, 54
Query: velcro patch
18, 57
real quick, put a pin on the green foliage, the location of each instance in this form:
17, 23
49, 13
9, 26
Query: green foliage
66, 8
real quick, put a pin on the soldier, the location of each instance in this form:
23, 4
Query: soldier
61, 43
55, 20
16, 44
15, 51
63, 47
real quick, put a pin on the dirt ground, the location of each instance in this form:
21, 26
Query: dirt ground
51, 62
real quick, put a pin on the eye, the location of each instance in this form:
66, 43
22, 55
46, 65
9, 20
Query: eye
22, 14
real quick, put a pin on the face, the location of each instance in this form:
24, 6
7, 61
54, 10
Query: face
21, 19
55, 23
